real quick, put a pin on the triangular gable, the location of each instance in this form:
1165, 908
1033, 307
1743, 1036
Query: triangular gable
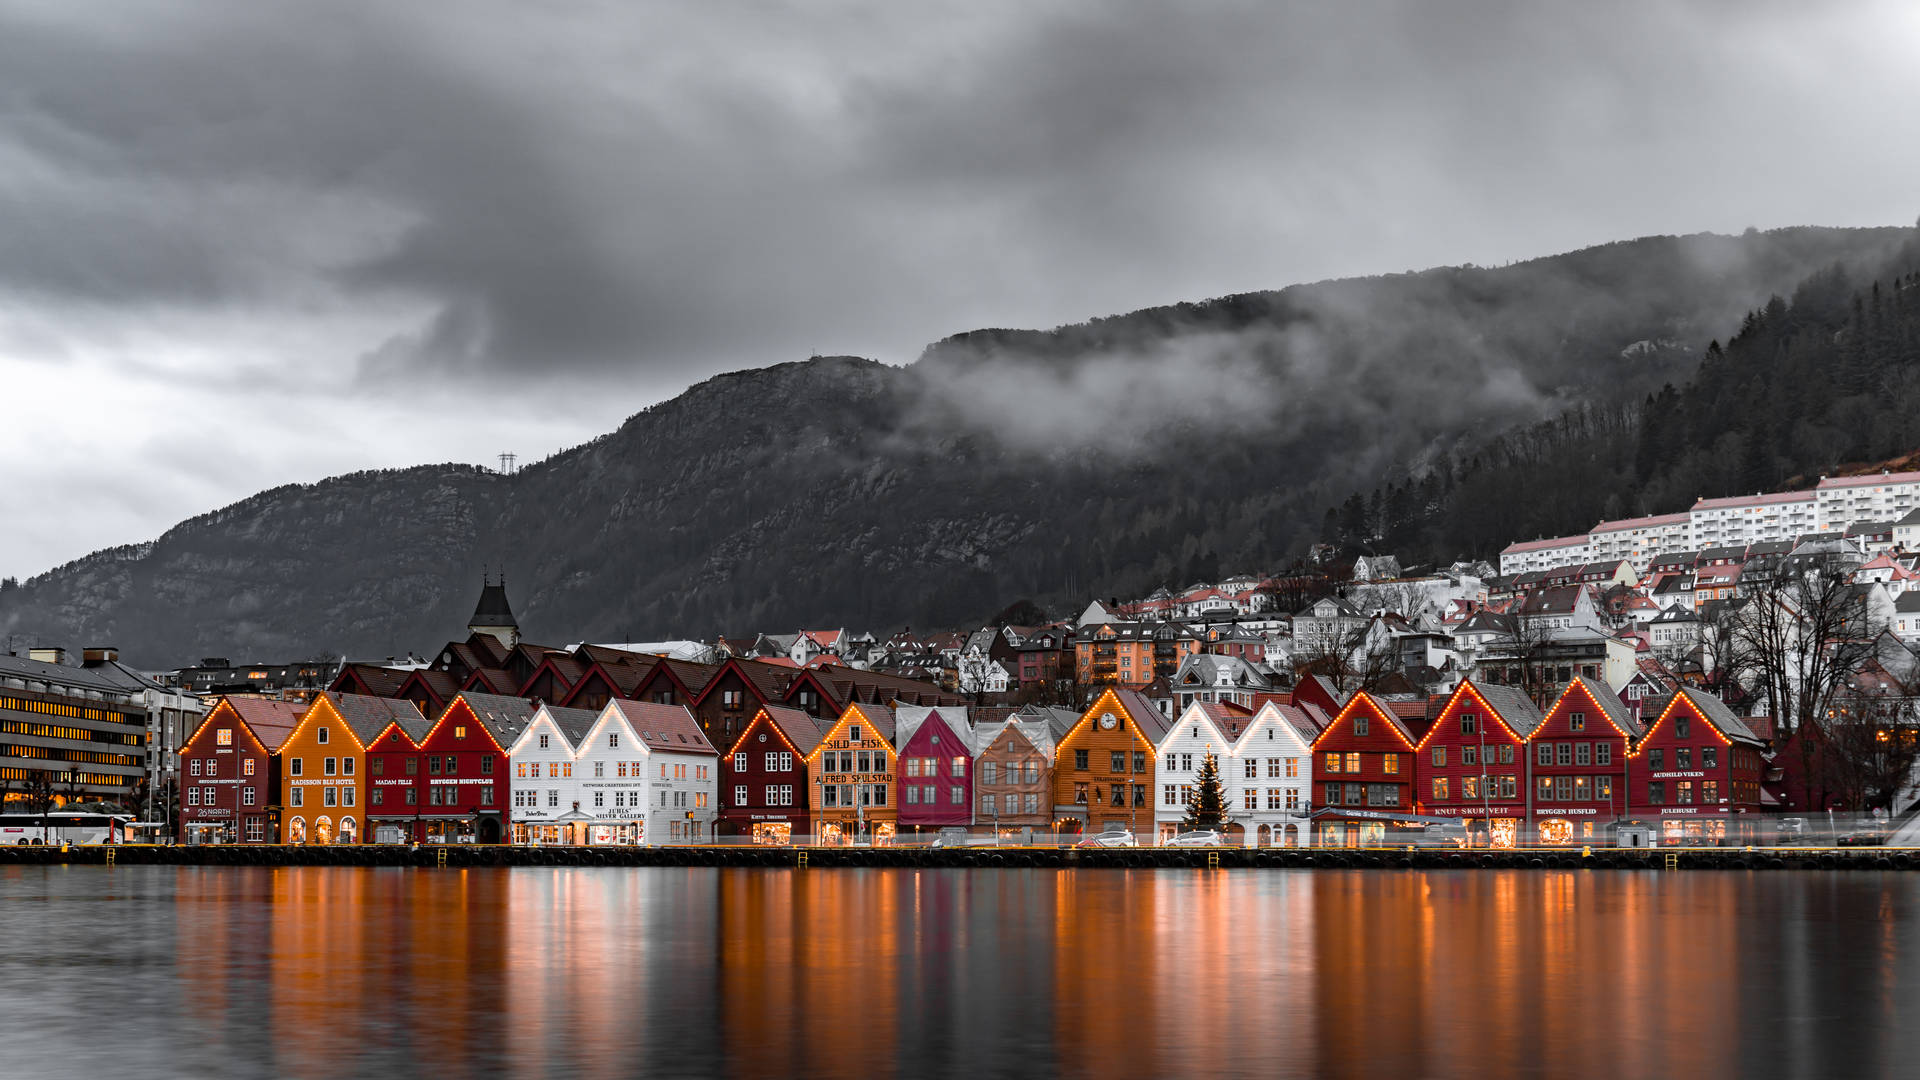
459, 712
1581, 690
1479, 701
611, 719
224, 704
1193, 715
1685, 697
1298, 726
1361, 700
541, 724
322, 710
1114, 701
795, 739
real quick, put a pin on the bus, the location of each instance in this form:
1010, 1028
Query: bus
64, 828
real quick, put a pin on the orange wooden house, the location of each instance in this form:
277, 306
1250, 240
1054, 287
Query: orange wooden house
324, 783
851, 773
1103, 768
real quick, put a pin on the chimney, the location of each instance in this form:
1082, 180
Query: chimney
48, 654
96, 655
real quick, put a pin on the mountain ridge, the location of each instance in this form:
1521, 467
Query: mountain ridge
1097, 457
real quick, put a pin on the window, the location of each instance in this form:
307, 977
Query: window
1506, 754
1543, 753
1033, 772
1681, 725
246, 796
1139, 761
1683, 757
913, 794
1332, 796
433, 764
413, 796
1469, 723
853, 733
1469, 755
1544, 788
1353, 761
613, 740
294, 766
879, 794
1439, 788
1656, 792
1359, 725
1583, 753
553, 797
459, 731
1355, 793
957, 796
1439, 756
1389, 764
543, 742
1563, 753
323, 736
1186, 762
486, 796
1683, 792
329, 766
1119, 761
1080, 794
1333, 763
413, 766
1577, 721
1603, 788
1390, 761
1032, 802
1251, 769
739, 794
1603, 753
299, 797
1170, 794
740, 762
246, 767
223, 737
1582, 789
193, 796
1469, 787
1080, 760
1656, 759
1710, 792
193, 767
347, 796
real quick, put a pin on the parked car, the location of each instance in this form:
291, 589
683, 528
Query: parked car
1109, 840
951, 836
1203, 838
1862, 838
1795, 827
1447, 834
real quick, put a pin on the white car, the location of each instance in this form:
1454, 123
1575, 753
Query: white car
1109, 840
1203, 838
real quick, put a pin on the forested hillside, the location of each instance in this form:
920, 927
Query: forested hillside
1820, 381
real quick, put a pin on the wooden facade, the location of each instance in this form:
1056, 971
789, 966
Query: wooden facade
1696, 773
764, 786
1104, 766
1471, 763
466, 774
852, 771
228, 773
1579, 756
1363, 776
323, 768
935, 781
1013, 777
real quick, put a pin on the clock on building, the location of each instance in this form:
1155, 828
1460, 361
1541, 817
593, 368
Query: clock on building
1107, 720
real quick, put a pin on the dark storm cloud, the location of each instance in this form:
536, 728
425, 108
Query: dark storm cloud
337, 199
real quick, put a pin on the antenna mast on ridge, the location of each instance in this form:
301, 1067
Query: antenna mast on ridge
506, 462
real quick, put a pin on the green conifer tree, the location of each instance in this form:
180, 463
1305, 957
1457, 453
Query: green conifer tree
1207, 807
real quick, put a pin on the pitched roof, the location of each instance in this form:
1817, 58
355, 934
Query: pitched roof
270, 721
382, 681
1716, 713
503, 717
1609, 703
369, 716
1515, 708
664, 727
909, 719
574, 724
879, 716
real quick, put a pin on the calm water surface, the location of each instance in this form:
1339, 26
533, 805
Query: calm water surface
325, 972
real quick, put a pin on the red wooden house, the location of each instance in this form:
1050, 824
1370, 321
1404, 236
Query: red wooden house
1472, 762
466, 773
763, 777
228, 775
1363, 774
429, 690
1579, 764
394, 791
935, 768
1696, 773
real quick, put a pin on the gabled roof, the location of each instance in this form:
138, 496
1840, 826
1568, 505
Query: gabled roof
504, 717
573, 723
801, 731
664, 727
878, 716
1299, 720
1362, 700
1611, 706
367, 716
1512, 705
377, 680
1710, 708
270, 721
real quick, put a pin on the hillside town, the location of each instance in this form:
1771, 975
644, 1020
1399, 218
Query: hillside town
1700, 676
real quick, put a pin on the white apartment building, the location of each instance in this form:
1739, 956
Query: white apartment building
1530, 555
1740, 520
1638, 540
1882, 496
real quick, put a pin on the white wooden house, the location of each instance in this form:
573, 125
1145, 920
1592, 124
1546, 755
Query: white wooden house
669, 765
546, 787
1202, 728
1269, 777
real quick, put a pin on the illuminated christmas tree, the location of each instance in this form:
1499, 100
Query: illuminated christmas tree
1207, 808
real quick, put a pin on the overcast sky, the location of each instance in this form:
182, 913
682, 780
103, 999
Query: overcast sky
249, 243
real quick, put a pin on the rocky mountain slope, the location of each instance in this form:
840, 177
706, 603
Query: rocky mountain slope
1105, 457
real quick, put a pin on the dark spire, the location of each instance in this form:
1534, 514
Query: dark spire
492, 611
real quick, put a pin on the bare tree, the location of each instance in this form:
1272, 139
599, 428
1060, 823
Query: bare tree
1871, 745
1524, 648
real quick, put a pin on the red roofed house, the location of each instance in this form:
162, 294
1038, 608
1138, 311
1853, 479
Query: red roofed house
229, 774
936, 768
1580, 753
1697, 772
1363, 773
1472, 762
763, 779
466, 775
